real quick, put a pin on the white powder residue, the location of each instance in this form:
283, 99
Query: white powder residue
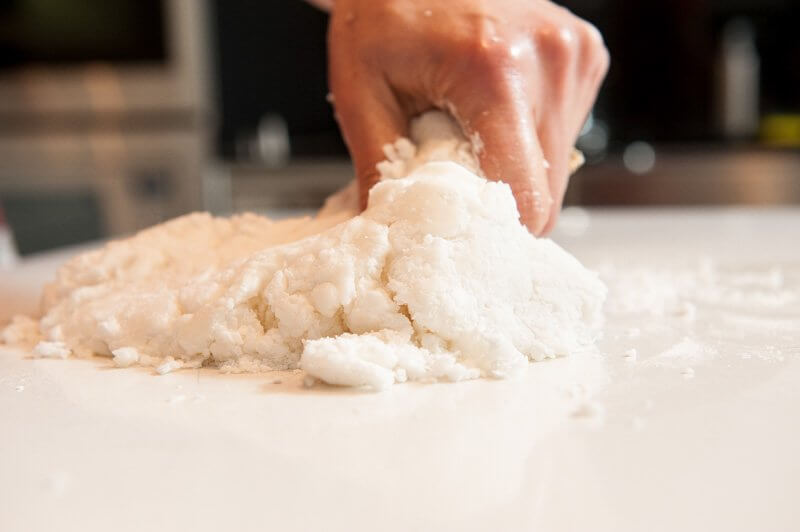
437, 279
637, 291
722, 308
58, 483
593, 412
679, 291
685, 353
585, 408
633, 332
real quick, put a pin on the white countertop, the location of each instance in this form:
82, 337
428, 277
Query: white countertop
698, 431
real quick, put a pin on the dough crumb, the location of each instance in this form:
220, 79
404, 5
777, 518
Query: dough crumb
168, 366
52, 350
631, 355
125, 356
22, 332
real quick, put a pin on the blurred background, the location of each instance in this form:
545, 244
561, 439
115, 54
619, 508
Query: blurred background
118, 114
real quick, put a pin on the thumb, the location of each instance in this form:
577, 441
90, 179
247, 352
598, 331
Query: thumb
370, 118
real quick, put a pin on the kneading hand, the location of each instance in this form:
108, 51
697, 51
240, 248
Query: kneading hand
520, 75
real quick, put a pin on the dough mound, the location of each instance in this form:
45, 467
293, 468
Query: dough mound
437, 279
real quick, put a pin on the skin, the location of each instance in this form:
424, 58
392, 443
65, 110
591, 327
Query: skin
521, 74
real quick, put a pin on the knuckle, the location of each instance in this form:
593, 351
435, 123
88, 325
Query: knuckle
488, 49
490, 55
591, 34
605, 57
557, 42
593, 47
494, 64
567, 38
604, 62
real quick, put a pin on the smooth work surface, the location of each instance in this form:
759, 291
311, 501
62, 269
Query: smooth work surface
686, 419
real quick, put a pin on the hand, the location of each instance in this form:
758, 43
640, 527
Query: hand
521, 74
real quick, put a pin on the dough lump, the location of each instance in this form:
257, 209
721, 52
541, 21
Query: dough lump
436, 280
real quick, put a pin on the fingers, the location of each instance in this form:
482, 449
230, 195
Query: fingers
510, 151
367, 110
594, 58
556, 150
557, 118
523, 84
369, 118
574, 64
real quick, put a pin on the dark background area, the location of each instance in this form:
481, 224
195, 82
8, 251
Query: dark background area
661, 85
55, 32
271, 59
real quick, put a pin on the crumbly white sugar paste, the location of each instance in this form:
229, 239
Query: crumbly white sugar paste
436, 280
